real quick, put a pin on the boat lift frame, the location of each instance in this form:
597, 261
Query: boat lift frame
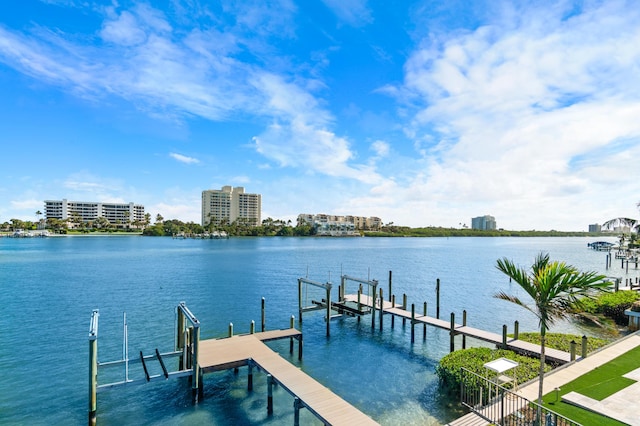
187, 342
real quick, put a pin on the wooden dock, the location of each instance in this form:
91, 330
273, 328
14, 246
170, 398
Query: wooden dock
552, 355
249, 350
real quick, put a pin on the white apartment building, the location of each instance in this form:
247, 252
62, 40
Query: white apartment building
229, 204
87, 211
324, 222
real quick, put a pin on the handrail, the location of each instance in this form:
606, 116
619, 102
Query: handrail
497, 404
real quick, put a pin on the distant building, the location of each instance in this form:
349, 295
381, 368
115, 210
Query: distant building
339, 225
229, 204
595, 228
484, 223
86, 211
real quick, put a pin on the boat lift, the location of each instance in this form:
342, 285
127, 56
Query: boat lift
341, 306
186, 348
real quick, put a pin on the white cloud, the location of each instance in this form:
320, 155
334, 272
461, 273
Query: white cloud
183, 158
353, 12
508, 109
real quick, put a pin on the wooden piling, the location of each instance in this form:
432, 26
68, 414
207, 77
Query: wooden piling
373, 308
504, 336
584, 346
516, 330
452, 329
390, 289
230, 329
250, 377
404, 308
393, 305
296, 412
464, 323
572, 347
424, 325
328, 310
262, 316
381, 309
252, 327
438, 298
300, 300
291, 325
269, 394
413, 322
359, 303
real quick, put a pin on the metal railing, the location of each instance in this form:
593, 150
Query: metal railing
503, 407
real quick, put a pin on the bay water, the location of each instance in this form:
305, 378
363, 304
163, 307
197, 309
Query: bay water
49, 287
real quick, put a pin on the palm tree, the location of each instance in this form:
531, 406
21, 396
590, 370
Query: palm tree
554, 288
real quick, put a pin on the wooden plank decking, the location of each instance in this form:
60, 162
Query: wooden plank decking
552, 355
236, 351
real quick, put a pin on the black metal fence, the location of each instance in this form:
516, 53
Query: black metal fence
503, 407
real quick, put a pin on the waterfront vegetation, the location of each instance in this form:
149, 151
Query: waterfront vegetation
268, 227
473, 359
608, 305
449, 369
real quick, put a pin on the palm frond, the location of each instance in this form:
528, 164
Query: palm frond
619, 221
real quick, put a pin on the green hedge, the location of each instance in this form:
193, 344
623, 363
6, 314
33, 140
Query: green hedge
611, 305
562, 341
473, 359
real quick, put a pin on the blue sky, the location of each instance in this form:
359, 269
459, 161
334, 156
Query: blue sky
423, 113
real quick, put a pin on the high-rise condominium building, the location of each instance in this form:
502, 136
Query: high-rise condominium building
85, 211
229, 204
484, 223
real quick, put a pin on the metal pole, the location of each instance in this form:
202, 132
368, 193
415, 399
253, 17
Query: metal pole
93, 367
195, 390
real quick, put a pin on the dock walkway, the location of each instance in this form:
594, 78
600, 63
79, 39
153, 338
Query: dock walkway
520, 346
241, 350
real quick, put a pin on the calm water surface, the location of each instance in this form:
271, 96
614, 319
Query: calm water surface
50, 286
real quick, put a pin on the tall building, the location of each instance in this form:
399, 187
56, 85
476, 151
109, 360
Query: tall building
595, 228
86, 211
484, 223
229, 204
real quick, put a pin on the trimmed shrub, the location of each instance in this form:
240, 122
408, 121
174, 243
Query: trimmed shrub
611, 305
473, 359
562, 341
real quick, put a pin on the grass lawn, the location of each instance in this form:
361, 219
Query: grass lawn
598, 384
